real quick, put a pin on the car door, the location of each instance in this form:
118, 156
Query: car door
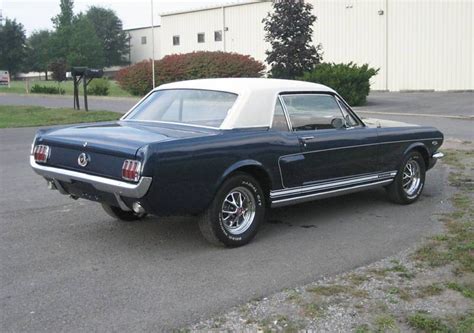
334, 144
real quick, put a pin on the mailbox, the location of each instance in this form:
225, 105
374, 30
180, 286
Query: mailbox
86, 75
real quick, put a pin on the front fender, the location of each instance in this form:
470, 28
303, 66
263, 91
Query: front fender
425, 152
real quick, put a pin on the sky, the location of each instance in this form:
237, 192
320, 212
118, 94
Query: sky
37, 14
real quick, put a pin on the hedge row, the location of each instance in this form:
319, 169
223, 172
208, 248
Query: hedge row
349, 80
41, 89
137, 79
99, 87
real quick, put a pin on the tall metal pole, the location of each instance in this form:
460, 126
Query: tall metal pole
152, 46
223, 29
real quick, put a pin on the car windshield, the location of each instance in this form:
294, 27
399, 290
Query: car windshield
185, 106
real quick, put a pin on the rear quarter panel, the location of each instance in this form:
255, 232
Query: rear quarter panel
187, 173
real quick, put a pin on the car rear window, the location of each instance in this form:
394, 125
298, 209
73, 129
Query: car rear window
186, 106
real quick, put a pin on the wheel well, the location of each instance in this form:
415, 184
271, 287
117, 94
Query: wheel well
260, 175
424, 153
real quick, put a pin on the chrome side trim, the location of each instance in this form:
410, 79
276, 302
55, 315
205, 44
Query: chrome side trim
100, 183
356, 146
438, 155
327, 194
332, 184
345, 147
172, 123
285, 112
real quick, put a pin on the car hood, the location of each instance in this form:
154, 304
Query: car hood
382, 123
120, 136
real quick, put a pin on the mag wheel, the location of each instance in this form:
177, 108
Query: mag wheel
410, 179
122, 215
235, 213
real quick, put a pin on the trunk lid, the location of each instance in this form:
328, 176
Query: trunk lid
107, 145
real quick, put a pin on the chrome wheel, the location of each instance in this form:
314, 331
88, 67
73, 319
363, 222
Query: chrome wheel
411, 177
238, 210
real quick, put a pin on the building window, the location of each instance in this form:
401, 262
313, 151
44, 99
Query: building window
175, 40
218, 36
201, 38
143, 39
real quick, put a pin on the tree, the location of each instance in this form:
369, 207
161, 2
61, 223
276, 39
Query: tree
85, 48
75, 39
63, 29
108, 27
65, 17
39, 52
289, 32
59, 68
12, 46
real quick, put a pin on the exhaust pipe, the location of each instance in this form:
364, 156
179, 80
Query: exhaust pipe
138, 208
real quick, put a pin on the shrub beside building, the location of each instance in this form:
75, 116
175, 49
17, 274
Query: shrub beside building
351, 81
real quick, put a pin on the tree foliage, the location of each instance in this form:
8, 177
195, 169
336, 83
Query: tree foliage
63, 23
59, 68
289, 32
12, 46
39, 52
85, 48
65, 17
108, 28
94, 39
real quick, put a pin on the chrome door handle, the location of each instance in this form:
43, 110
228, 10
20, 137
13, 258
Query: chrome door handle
307, 138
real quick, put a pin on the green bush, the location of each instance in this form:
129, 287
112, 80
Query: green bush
352, 82
39, 89
137, 80
99, 87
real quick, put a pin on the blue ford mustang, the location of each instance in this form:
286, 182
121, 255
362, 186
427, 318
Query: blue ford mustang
226, 150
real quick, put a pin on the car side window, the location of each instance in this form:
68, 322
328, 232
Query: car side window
350, 121
279, 120
313, 112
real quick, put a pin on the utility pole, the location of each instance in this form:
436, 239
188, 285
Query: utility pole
152, 46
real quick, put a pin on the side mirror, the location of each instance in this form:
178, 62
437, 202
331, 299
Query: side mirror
337, 123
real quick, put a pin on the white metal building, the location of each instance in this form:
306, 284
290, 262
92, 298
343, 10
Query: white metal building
140, 43
417, 44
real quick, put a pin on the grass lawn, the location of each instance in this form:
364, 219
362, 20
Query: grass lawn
18, 87
27, 116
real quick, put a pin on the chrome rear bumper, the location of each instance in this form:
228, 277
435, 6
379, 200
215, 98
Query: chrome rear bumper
116, 187
438, 155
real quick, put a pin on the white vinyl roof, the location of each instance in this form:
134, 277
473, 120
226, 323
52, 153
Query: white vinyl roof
256, 99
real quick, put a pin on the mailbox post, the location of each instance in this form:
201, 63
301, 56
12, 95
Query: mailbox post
86, 75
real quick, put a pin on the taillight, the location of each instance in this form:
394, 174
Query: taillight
131, 170
41, 153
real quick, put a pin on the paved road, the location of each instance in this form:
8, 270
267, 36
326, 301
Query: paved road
452, 113
67, 266
438, 103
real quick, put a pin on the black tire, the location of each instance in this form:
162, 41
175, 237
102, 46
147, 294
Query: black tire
122, 215
214, 222
408, 194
